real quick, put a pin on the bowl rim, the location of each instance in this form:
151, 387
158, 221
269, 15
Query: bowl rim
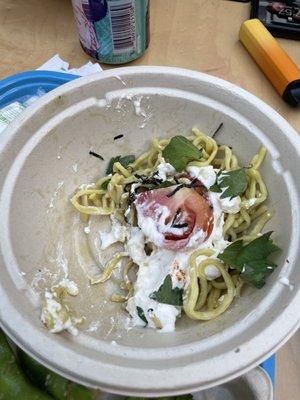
44, 342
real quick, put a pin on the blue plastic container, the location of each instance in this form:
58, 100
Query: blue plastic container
24, 85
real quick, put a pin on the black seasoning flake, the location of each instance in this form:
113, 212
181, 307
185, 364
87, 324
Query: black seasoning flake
118, 137
151, 180
237, 350
191, 185
178, 211
179, 226
287, 260
175, 190
217, 130
92, 153
131, 198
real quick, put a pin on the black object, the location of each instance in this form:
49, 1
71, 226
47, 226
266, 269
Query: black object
281, 18
292, 93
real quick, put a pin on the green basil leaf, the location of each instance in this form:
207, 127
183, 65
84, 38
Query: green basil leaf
251, 260
234, 183
180, 151
109, 169
167, 295
215, 188
125, 161
141, 314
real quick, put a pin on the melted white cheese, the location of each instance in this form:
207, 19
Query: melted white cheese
152, 271
151, 274
70, 286
117, 234
135, 245
154, 268
87, 229
161, 261
206, 175
216, 240
164, 170
197, 238
249, 203
211, 272
149, 227
228, 205
154, 228
57, 317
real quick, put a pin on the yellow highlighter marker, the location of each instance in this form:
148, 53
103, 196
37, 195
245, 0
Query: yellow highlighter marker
283, 73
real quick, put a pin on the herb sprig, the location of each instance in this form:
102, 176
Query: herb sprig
124, 161
234, 183
167, 295
180, 151
251, 259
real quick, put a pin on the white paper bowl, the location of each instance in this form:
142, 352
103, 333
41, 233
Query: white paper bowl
49, 144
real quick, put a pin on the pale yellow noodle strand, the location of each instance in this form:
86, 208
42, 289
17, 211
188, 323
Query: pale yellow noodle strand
156, 321
261, 193
111, 265
100, 181
239, 287
232, 234
118, 168
210, 147
118, 298
127, 284
193, 289
212, 299
258, 212
87, 209
83, 216
243, 225
219, 285
228, 223
234, 162
263, 219
140, 161
200, 293
203, 293
258, 158
226, 158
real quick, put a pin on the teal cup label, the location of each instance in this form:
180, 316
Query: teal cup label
113, 31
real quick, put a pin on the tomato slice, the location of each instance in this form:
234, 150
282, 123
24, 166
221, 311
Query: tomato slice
174, 218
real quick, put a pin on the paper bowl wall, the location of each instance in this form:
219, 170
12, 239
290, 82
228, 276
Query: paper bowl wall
44, 157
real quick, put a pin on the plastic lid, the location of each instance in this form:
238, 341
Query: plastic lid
292, 93
19, 86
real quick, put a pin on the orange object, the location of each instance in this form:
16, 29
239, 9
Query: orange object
279, 68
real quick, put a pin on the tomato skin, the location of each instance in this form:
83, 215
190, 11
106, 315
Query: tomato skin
178, 216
